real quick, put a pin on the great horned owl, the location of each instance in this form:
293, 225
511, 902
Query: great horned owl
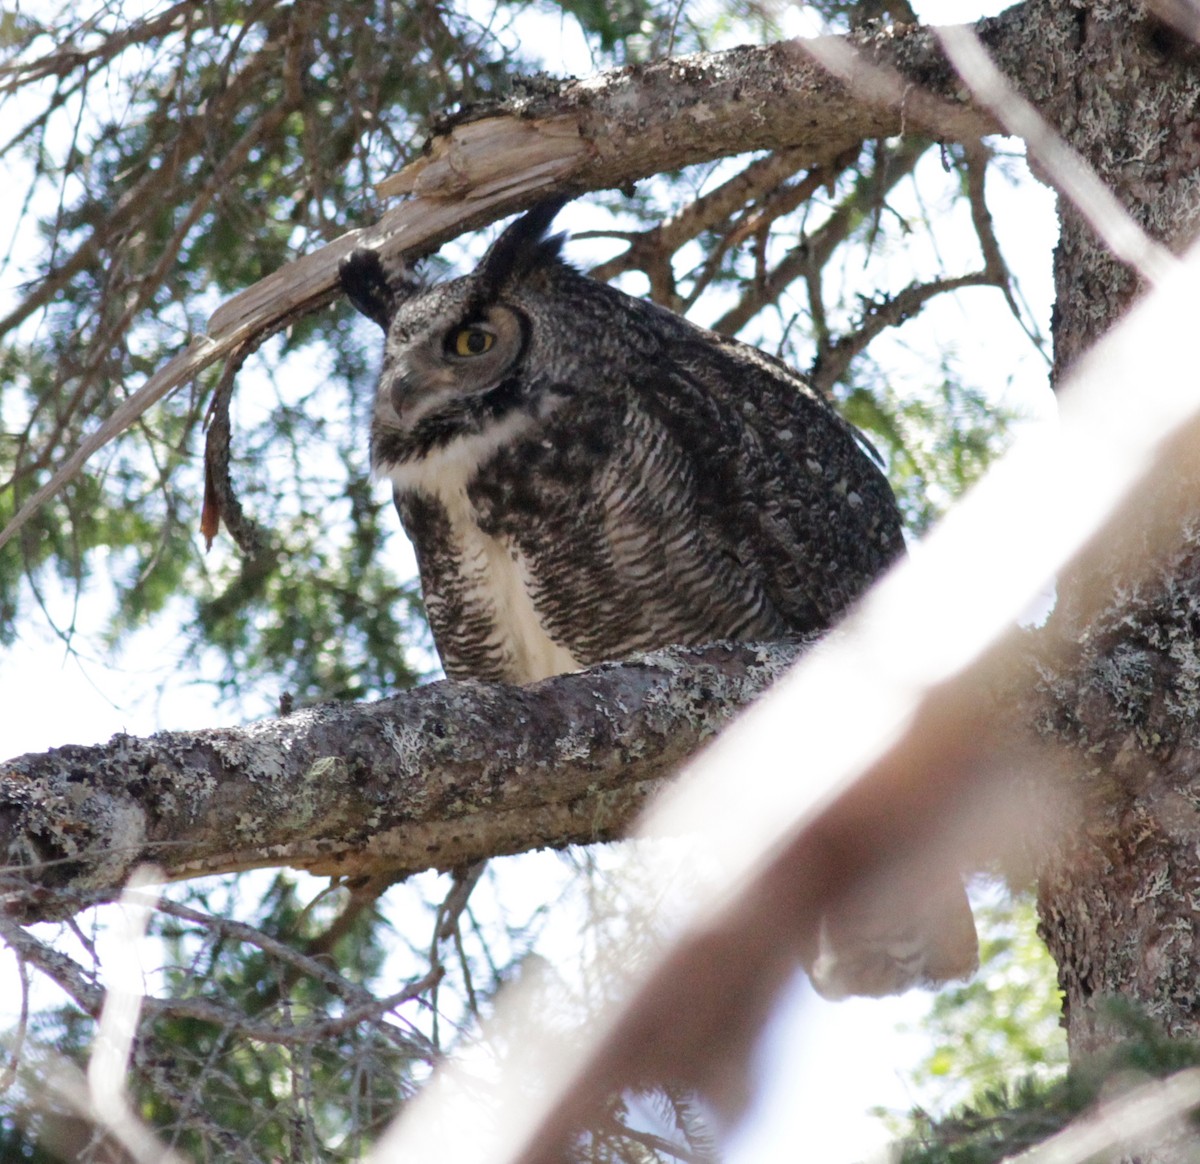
584, 474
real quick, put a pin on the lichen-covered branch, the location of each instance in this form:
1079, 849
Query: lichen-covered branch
432, 778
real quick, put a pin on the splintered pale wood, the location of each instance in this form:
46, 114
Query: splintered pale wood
476, 159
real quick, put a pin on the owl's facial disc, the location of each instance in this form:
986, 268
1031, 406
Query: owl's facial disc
451, 368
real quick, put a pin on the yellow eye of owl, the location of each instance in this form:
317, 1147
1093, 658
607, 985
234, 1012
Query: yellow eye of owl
471, 341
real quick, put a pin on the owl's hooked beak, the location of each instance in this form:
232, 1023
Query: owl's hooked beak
413, 394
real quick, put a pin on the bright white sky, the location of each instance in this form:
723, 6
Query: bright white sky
824, 1064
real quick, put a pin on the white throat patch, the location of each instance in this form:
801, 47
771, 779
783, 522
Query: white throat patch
495, 576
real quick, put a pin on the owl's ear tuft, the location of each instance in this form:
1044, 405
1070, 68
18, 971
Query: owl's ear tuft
522, 247
375, 287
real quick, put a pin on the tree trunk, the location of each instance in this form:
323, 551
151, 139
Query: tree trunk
1119, 898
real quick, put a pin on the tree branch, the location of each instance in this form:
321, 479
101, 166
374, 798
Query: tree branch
433, 778
880, 314
892, 166
605, 131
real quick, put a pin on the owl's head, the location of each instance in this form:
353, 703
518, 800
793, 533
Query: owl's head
454, 352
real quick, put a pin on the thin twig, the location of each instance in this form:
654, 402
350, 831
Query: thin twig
17, 1039
220, 499
977, 158
708, 212
894, 165
90, 998
67, 57
881, 314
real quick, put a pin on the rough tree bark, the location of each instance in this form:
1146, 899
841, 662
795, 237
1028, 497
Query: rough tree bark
433, 778
1119, 899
